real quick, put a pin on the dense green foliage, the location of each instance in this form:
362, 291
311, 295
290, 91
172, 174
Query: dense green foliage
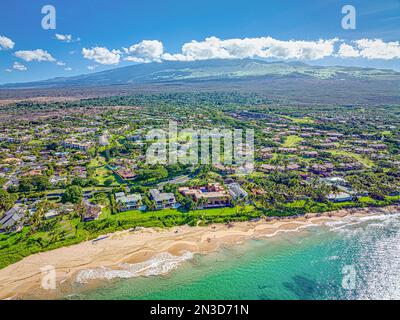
7, 200
73, 194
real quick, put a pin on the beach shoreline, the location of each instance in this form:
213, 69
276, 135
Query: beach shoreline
24, 278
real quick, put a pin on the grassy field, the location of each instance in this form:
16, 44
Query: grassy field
101, 172
292, 141
304, 120
365, 161
34, 142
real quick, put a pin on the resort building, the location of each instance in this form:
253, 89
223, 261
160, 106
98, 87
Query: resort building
74, 144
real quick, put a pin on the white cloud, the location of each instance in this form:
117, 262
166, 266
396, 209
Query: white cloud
347, 51
370, 49
60, 63
68, 69
145, 51
19, 66
8, 70
102, 55
264, 47
66, 38
35, 55
6, 43
378, 49
176, 57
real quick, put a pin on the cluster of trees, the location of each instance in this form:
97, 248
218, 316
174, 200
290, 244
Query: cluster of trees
35, 183
7, 200
285, 187
84, 183
72, 194
156, 172
378, 185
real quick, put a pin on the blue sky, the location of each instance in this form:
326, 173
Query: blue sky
279, 30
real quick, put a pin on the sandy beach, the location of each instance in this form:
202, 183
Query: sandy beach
24, 278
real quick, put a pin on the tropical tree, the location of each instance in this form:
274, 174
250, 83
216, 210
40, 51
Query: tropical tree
36, 218
73, 194
80, 209
7, 200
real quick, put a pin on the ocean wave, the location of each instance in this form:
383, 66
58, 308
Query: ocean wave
160, 264
299, 228
373, 221
332, 258
384, 216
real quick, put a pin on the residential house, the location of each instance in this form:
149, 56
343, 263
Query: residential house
322, 169
267, 168
310, 154
236, 191
126, 174
349, 166
128, 202
287, 150
212, 195
224, 169
13, 219
162, 200
58, 179
340, 197
92, 212
51, 214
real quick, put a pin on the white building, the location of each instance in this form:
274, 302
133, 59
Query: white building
128, 202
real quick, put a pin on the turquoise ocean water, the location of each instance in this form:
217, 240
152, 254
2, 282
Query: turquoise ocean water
307, 264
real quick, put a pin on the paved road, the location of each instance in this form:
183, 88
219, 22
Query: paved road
177, 180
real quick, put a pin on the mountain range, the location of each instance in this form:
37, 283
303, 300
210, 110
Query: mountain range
212, 70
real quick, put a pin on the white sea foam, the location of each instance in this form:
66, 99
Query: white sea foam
299, 228
331, 258
350, 221
380, 216
160, 264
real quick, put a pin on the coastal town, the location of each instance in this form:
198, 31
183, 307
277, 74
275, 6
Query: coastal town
72, 171
199, 158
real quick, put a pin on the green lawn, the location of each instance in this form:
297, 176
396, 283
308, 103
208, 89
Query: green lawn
97, 162
304, 120
34, 142
365, 161
135, 215
292, 141
101, 172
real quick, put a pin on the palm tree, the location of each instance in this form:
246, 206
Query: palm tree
80, 209
37, 216
201, 202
